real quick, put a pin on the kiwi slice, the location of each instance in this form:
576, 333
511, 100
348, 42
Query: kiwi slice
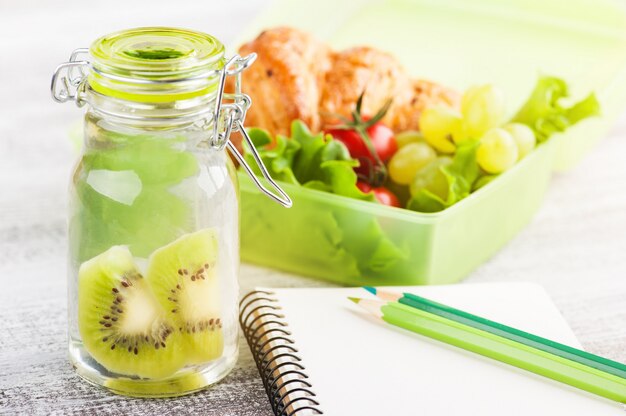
121, 323
183, 278
178, 386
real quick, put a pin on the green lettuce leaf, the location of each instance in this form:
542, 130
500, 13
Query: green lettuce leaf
278, 159
147, 220
315, 161
544, 112
425, 201
338, 239
460, 174
316, 245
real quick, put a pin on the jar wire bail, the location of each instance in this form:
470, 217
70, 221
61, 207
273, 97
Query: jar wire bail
71, 83
66, 86
282, 198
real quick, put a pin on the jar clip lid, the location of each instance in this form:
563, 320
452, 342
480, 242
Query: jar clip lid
66, 86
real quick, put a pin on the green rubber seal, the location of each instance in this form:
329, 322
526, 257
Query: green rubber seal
156, 64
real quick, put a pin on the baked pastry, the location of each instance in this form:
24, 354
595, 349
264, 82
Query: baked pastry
298, 77
376, 74
285, 81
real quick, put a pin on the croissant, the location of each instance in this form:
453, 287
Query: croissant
299, 77
285, 81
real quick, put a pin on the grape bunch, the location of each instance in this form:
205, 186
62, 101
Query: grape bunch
480, 119
424, 157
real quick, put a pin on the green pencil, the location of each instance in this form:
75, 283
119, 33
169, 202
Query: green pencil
502, 330
499, 348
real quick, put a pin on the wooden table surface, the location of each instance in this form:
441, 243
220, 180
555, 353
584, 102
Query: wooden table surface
575, 246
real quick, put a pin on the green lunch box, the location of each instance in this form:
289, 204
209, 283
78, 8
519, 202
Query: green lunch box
458, 43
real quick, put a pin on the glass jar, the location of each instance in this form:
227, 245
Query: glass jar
154, 211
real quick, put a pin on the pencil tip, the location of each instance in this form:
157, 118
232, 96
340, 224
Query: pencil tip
370, 289
355, 300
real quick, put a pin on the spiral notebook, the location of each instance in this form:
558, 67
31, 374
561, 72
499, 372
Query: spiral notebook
318, 353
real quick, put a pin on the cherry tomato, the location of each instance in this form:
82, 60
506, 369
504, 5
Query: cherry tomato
382, 139
382, 194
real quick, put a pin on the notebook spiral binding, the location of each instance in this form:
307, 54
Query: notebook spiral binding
274, 352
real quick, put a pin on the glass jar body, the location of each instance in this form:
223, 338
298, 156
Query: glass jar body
154, 257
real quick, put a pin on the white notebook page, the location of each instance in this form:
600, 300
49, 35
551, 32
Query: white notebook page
361, 366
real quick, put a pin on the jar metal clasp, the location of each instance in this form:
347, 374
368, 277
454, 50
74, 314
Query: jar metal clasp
69, 78
70, 81
231, 117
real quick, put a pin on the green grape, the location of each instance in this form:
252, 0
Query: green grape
524, 138
482, 108
461, 135
408, 160
409, 136
432, 179
440, 125
497, 151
